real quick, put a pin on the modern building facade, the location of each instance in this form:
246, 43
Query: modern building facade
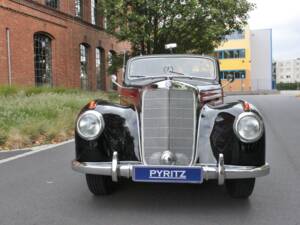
261, 59
288, 71
247, 55
55, 43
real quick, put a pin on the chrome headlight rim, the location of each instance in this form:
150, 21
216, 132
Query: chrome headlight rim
99, 117
242, 116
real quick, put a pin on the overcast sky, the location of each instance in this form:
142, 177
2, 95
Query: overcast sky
284, 19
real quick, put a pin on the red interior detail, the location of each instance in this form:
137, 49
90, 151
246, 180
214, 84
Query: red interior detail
213, 97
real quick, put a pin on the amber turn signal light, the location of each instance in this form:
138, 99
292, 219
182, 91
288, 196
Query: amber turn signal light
92, 105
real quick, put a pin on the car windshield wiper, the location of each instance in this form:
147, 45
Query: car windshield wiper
178, 73
181, 74
138, 76
165, 76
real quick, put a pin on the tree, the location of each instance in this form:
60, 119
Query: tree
197, 26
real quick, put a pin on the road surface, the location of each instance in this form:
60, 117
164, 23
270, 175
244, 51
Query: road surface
42, 189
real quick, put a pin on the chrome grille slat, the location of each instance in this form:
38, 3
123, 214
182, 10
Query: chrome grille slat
168, 123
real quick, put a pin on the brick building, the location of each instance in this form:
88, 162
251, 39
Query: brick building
55, 43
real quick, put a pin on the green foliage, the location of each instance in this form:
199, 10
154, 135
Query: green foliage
28, 91
288, 86
6, 91
196, 26
115, 64
34, 116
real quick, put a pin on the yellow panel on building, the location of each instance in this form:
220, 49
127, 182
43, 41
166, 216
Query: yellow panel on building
235, 58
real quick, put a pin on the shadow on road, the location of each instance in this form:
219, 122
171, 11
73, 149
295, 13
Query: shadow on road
208, 197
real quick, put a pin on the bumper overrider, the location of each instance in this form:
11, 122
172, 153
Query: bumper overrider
218, 172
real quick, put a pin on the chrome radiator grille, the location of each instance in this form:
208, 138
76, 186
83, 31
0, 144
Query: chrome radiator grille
168, 124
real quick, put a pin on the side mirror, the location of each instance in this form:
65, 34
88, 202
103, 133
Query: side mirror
230, 78
114, 80
170, 47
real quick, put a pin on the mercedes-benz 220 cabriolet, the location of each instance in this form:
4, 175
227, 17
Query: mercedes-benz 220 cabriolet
172, 126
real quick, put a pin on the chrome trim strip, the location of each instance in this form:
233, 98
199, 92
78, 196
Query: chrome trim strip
139, 133
142, 127
210, 172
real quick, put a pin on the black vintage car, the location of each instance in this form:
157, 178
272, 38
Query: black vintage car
171, 126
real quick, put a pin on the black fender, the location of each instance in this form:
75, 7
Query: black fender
120, 134
217, 135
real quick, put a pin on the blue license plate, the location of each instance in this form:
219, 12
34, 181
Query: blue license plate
167, 174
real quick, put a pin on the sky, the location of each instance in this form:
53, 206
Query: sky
283, 16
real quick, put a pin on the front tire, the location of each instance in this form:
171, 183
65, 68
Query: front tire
99, 185
240, 188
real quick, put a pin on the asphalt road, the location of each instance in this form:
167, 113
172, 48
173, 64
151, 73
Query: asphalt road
42, 189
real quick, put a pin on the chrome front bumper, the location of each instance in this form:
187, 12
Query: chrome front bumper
218, 172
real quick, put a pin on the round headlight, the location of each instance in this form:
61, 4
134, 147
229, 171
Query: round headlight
90, 125
248, 127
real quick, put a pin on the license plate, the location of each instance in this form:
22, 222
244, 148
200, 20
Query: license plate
167, 174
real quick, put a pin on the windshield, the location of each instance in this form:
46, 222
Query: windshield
176, 66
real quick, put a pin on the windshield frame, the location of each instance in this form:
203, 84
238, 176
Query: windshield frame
186, 76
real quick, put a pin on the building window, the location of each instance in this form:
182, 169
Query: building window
238, 74
94, 18
42, 60
78, 8
232, 54
52, 3
84, 66
111, 58
100, 68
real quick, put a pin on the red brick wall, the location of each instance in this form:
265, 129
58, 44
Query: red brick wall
25, 18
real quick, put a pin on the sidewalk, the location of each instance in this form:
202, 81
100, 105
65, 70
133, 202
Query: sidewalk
258, 92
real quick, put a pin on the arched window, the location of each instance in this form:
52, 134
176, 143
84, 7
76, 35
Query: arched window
84, 77
42, 59
110, 58
100, 68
